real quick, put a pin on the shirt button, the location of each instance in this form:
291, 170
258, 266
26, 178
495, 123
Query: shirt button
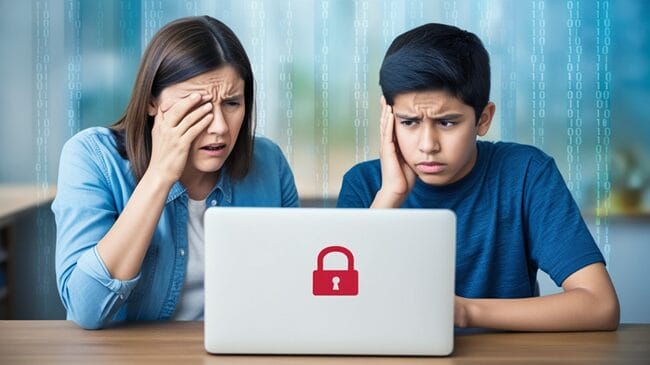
121, 296
213, 203
182, 252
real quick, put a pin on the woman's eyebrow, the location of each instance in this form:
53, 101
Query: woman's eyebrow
233, 96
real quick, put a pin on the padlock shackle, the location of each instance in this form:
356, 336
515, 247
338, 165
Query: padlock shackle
330, 249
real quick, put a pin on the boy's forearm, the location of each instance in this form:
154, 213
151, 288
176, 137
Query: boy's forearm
387, 200
574, 310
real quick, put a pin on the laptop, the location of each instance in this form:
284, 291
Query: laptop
329, 281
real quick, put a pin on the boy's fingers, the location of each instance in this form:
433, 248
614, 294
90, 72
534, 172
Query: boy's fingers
388, 129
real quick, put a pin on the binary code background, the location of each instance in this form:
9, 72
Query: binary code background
571, 77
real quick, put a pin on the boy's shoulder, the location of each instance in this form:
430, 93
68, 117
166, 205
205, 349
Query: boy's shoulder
365, 176
511, 153
365, 169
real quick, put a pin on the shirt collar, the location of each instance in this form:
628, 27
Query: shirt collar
177, 190
224, 185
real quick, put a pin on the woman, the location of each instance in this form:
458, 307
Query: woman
130, 202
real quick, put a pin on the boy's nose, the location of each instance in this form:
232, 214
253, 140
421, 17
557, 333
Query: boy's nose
429, 142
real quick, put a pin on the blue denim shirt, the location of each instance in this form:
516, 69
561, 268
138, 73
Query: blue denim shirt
94, 185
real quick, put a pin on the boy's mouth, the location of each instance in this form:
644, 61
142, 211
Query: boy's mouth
430, 167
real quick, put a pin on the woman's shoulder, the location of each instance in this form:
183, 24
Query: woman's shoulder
264, 145
95, 148
267, 151
93, 139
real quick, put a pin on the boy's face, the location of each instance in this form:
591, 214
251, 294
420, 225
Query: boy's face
436, 134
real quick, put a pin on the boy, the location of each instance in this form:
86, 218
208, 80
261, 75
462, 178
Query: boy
514, 211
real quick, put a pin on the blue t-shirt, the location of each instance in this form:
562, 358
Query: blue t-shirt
94, 186
514, 215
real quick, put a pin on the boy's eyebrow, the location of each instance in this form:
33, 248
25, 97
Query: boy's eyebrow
450, 116
405, 116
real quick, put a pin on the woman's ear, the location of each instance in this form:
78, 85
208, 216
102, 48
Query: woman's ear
485, 120
152, 107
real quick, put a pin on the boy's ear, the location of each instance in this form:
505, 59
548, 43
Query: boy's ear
485, 120
152, 107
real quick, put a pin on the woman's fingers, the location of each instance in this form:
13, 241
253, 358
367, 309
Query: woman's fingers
173, 114
194, 117
175, 128
195, 129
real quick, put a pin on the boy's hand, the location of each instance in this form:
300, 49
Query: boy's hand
461, 316
175, 128
397, 177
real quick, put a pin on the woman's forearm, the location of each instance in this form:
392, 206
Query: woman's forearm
123, 248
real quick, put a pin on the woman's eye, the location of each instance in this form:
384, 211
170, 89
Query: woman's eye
407, 122
233, 103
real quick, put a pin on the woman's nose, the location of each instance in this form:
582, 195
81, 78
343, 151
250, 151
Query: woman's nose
219, 125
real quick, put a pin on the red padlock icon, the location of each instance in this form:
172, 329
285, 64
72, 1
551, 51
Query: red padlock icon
335, 282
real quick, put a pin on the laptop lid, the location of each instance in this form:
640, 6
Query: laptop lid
329, 281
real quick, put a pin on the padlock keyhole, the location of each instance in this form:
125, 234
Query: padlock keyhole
335, 282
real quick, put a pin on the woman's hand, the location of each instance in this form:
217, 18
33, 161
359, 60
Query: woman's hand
175, 128
397, 177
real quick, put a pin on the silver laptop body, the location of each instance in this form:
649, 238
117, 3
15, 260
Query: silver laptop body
329, 281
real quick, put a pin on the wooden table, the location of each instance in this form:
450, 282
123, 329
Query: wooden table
16, 201
62, 342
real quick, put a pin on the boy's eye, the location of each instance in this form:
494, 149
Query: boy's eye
407, 122
447, 123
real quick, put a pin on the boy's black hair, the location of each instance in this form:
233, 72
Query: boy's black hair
438, 57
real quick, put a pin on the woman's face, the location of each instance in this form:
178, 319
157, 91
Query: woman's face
212, 147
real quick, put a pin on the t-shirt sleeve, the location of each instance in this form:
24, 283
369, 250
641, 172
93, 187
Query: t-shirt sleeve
287, 181
356, 190
558, 238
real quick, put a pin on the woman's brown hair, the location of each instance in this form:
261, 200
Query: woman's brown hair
183, 49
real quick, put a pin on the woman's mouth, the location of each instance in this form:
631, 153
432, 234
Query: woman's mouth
214, 149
